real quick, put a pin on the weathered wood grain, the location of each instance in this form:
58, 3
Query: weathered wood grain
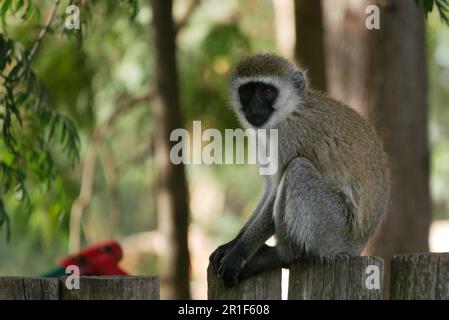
112, 288
20, 288
342, 279
420, 276
264, 286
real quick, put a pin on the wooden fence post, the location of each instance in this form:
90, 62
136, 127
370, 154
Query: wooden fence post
264, 286
19, 288
420, 276
346, 278
113, 288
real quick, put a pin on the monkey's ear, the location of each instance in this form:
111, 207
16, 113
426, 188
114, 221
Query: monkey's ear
299, 80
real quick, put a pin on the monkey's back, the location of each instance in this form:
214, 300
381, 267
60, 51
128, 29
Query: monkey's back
346, 150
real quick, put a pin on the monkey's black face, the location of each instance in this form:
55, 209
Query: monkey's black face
257, 101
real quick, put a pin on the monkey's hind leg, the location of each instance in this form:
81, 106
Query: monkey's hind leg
267, 258
311, 217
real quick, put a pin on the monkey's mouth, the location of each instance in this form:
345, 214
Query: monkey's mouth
257, 120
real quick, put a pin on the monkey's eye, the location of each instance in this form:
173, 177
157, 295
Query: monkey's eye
268, 92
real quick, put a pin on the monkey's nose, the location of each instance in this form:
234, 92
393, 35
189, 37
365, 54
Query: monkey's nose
256, 119
253, 112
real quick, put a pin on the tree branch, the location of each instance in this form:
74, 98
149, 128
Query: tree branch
44, 30
126, 104
112, 181
185, 19
85, 195
87, 178
37, 42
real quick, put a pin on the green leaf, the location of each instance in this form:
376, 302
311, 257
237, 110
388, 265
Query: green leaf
443, 9
441, 5
28, 12
18, 6
4, 7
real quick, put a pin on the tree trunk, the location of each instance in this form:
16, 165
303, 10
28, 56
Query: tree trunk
309, 49
172, 204
383, 74
284, 24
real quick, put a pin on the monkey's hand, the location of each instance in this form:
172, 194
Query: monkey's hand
216, 256
230, 267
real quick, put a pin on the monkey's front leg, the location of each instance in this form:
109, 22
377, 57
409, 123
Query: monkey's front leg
251, 240
216, 257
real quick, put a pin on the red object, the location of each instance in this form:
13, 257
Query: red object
96, 260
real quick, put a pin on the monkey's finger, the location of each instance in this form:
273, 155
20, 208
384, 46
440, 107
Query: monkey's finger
220, 272
217, 259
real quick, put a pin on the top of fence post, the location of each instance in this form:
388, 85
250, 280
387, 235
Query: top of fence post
113, 288
264, 286
345, 278
98, 288
20, 288
420, 276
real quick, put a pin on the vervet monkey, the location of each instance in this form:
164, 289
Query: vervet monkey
332, 187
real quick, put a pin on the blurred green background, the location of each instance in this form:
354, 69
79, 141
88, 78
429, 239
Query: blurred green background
86, 76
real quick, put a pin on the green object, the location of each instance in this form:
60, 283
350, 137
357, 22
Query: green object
55, 273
